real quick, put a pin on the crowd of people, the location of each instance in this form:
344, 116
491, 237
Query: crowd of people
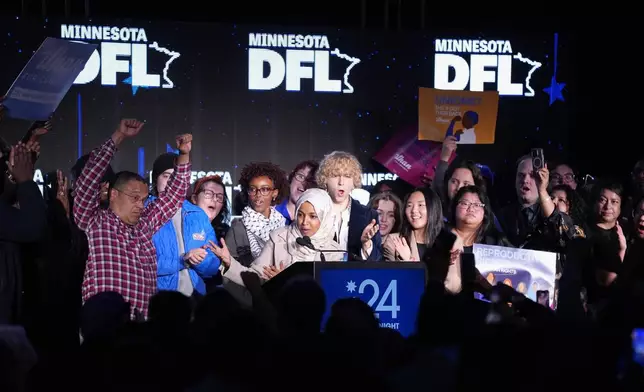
116, 284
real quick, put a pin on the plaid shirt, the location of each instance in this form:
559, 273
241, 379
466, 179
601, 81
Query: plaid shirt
122, 258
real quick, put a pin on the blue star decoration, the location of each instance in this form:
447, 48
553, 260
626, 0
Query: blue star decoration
129, 81
555, 90
168, 148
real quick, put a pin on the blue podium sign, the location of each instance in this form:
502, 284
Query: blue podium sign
393, 290
46, 78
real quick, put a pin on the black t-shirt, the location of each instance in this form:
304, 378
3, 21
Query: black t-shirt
605, 249
422, 249
604, 255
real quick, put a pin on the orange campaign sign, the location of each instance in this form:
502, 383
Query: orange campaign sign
469, 116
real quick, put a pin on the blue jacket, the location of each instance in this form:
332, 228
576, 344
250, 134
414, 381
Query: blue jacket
197, 231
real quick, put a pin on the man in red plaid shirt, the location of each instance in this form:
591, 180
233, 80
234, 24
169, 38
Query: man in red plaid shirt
122, 257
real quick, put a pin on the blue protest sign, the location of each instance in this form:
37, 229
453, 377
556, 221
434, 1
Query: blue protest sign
393, 290
46, 78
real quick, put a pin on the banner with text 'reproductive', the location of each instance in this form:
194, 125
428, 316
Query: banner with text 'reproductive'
470, 116
527, 271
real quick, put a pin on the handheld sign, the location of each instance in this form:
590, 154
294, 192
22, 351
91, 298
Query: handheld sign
393, 290
411, 159
469, 116
46, 78
527, 271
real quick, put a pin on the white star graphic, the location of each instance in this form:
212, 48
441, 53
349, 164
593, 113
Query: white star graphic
351, 286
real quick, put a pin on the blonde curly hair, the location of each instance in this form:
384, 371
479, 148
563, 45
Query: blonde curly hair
339, 163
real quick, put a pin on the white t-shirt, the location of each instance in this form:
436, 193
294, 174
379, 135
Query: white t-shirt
468, 137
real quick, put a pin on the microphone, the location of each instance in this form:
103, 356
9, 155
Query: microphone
306, 241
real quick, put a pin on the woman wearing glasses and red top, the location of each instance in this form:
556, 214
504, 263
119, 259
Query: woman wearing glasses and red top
300, 179
265, 185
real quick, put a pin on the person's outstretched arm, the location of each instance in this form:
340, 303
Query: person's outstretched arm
87, 189
161, 210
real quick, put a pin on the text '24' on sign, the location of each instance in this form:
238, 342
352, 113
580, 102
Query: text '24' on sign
393, 291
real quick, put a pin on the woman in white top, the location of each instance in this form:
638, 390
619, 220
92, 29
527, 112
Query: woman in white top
314, 218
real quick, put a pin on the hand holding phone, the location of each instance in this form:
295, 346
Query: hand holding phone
538, 160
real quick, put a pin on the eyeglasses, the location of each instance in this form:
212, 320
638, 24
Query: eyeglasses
210, 194
299, 177
464, 204
264, 191
135, 198
568, 177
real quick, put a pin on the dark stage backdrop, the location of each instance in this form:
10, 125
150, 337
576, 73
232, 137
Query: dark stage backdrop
206, 90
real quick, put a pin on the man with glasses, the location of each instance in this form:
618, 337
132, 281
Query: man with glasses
122, 257
563, 175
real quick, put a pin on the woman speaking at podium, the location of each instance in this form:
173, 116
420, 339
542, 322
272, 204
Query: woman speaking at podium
314, 218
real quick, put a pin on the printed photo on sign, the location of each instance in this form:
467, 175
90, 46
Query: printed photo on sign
527, 271
468, 116
411, 159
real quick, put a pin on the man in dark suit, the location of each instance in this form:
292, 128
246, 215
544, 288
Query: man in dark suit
357, 226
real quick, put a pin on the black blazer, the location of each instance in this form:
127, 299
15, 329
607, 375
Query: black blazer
360, 217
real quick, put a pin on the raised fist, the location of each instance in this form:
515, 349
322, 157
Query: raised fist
129, 127
184, 143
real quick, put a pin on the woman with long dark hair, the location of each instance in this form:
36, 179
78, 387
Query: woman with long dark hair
472, 219
569, 202
421, 224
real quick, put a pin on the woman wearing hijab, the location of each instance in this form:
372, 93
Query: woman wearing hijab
314, 218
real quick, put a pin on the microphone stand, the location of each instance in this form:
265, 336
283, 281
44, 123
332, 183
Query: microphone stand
306, 241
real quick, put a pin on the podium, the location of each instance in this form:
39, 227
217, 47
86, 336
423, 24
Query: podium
392, 289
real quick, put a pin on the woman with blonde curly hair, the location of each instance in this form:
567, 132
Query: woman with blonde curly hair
356, 228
